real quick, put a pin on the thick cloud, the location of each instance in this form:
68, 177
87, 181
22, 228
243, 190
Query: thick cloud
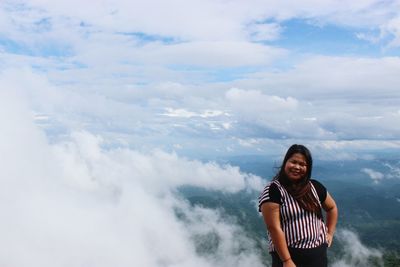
356, 254
223, 118
332, 77
75, 203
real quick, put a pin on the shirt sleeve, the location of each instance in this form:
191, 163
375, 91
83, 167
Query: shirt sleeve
270, 193
321, 190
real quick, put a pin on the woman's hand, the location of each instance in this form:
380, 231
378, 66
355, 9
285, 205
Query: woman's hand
329, 206
329, 239
289, 263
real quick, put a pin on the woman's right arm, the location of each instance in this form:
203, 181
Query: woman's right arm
270, 212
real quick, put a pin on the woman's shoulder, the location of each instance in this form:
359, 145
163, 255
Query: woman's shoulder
316, 183
272, 184
320, 188
271, 193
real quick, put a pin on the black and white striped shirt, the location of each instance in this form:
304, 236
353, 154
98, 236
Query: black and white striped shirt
303, 229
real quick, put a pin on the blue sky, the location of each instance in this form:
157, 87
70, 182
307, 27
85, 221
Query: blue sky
238, 77
303, 36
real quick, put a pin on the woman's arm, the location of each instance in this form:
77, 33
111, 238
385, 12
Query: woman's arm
330, 207
270, 212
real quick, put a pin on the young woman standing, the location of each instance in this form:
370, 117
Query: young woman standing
292, 205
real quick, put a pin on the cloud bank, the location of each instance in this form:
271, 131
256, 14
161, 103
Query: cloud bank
355, 253
74, 203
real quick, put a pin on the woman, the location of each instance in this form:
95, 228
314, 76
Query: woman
291, 206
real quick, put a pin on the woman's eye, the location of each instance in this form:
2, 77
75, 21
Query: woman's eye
299, 163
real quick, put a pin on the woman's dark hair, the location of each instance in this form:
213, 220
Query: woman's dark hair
301, 190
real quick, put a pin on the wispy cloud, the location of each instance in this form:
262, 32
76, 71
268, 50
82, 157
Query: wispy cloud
170, 112
376, 176
356, 253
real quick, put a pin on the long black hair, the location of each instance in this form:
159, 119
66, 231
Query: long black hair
301, 190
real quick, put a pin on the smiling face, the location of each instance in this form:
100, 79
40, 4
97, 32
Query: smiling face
296, 167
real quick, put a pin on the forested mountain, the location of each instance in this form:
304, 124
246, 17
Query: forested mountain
367, 193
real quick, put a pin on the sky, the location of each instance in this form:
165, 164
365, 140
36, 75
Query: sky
209, 78
110, 106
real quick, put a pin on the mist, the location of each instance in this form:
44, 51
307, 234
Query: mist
76, 203
355, 253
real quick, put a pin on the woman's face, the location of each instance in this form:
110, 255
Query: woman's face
296, 167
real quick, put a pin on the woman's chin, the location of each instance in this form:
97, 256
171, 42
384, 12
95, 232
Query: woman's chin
295, 179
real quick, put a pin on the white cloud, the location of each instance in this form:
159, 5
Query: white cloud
197, 19
376, 176
353, 145
264, 31
210, 20
393, 28
188, 114
394, 170
249, 142
73, 202
208, 113
256, 100
348, 98
277, 116
206, 33
373, 38
355, 253
318, 77
332, 150
207, 54
114, 67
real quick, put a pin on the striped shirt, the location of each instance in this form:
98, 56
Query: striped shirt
303, 229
